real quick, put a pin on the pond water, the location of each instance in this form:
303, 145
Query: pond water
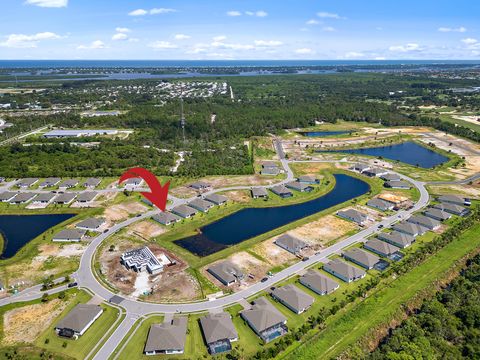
324, 133
248, 223
18, 230
408, 152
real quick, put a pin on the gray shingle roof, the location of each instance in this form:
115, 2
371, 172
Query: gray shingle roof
263, 315
397, 238
381, 247
92, 182
259, 191
397, 184
390, 177
70, 234
423, 220
23, 197
65, 198
167, 336
217, 327
353, 215
318, 282
409, 228
454, 199
48, 182
79, 317
293, 297
27, 182
216, 198
199, 185
69, 183
200, 204
437, 214
184, 210
7, 195
44, 197
280, 190
451, 208
380, 204
290, 243
226, 272
87, 196
299, 186
342, 268
91, 223
166, 218
361, 257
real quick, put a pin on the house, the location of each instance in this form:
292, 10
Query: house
298, 186
354, 215
72, 235
201, 205
452, 209
91, 224
49, 182
308, 179
361, 257
397, 238
64, 199
77, 133
132, 183
270, 171
281, 191
166, 218
200, 186
167, 338
437, 214
397, 184
78, 320
144, 259
269, 164
216, 199
390, 177
44, 198
92, 183
454, 199
375, 172
360, 168
424, 221
226, 272
218, 332
293, 298
259, 192
26, 183
380, 204
290, 243
87, 196
381, 248
398, 201
264, 318
23, 198
6, 196
409, 228
68, 184
344, 271
184, 211
318, 282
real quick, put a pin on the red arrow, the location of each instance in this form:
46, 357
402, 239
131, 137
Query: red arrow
158, 194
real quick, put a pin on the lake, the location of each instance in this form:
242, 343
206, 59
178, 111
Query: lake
18, 230
408, 152
248, 223
323, 133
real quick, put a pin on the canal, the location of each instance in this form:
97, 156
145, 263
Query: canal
250, 222
19, 230
323, 133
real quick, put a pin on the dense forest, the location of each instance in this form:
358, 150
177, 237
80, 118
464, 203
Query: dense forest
446, 327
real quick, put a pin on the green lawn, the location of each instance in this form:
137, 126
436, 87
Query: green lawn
346, 328
80, 348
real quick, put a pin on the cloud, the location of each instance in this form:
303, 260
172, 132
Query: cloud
234, 13
182, 37
122, 30
329, 29
304, 51
259, 13
469, 41
312, 22
460, 29
28, 41
154, 11
120, 37
162, 45
48, 3
405, 48
328, 15
94, 45
268, 43
219, 38
354, 55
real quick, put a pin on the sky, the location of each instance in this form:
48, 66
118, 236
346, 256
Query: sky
240, 29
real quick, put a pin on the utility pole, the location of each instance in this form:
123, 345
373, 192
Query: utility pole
182, 119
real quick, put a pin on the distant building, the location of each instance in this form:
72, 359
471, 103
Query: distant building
380, 204
77, 133
26, 183
200, 185
6, 196
308, 179
360, 168
132, 183
397, 184
64, 199
216, 199
344, 271
87, 196
49, 182
226, 272
281, 191
90, 224
259, 192
184, 211
92, 183
375, 172
201, 205
454, 199
69, 235
143, 259
23, 198
354, 215
390, 177
68, 184
167, 338
270, 171
166, 218
78, 320
452, 209
437, 214
290, 243
264, 318
44, 198
293, 298
318, 282
299, 186
218, 332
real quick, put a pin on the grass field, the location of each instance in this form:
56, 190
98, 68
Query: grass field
346, 328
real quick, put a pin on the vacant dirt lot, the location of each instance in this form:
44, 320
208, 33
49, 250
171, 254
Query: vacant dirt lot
241, 196
274, 254
146, 229
25, 324
323, 231
120, 212
63, 250
245, 180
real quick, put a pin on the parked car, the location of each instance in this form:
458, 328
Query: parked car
72, 284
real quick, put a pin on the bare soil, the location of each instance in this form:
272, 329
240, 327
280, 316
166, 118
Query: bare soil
274, 254
120, 212
240, 196
146, 229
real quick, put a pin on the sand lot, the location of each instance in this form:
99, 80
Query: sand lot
120, 212
240, 196
323, 231
474, 119
274, 254
25, 324
146, 229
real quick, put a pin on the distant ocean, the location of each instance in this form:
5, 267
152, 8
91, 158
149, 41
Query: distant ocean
214, 63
